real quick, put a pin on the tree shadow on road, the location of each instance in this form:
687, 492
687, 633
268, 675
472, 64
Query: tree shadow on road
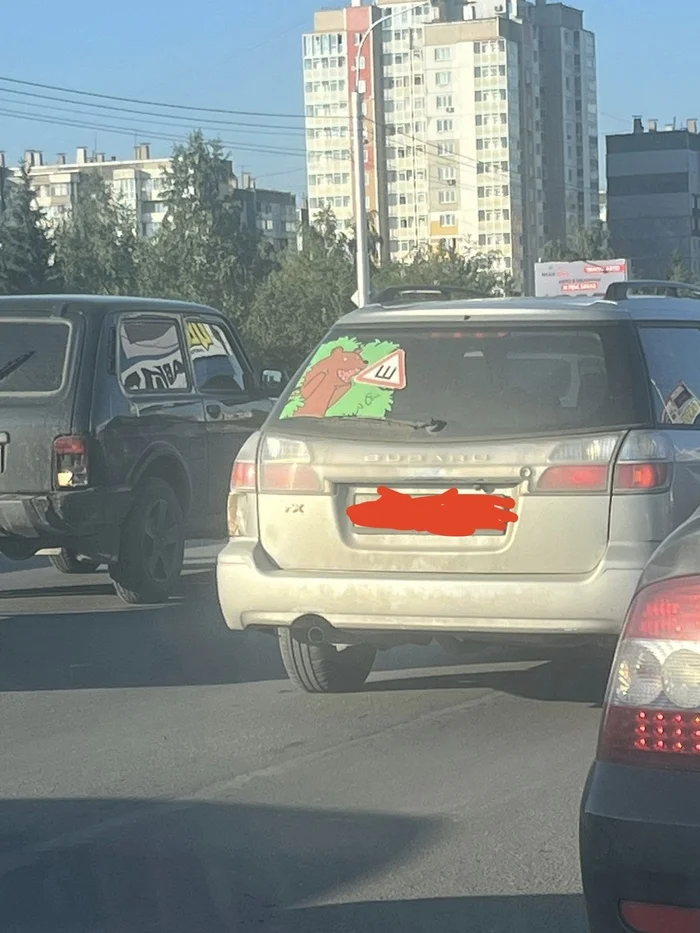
181, 644
106, 866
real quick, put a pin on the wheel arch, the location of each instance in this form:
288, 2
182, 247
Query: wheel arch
164, 462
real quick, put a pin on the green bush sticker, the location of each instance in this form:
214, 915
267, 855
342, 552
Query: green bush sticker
348, 379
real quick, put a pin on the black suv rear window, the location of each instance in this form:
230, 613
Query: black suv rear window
32, 355
488, 381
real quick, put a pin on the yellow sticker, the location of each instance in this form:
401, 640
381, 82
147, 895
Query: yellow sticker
199, 335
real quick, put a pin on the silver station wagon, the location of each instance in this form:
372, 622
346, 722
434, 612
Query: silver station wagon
584, 413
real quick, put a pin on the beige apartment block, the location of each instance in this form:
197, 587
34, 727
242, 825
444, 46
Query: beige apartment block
480, 123
140, 183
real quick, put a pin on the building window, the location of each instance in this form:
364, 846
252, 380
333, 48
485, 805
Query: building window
443, 78
443, 54
448, 220
444, 126
447, 173
447, 196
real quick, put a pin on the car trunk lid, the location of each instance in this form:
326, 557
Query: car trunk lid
534, 416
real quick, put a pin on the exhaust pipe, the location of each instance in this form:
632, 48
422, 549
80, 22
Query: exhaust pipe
314, 630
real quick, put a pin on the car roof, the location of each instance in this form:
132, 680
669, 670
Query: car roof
525, 310
95, 304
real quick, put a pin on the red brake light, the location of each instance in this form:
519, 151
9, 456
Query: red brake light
289, 477
576, 478
69, 445
243, 475
285, 466
652, 706
660, 918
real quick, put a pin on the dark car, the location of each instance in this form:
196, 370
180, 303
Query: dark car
640, 813
120, 419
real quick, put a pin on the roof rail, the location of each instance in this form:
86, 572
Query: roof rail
619, 291
426, 293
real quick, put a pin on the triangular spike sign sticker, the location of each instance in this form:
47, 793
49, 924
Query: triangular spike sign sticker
387, 373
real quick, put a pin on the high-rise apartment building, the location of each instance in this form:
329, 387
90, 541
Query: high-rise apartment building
474, 136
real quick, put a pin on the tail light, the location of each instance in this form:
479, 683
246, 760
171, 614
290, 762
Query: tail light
652, 706
240, 508
279, 465
580, 466
70, 459
643, 464
286, 467
659, 918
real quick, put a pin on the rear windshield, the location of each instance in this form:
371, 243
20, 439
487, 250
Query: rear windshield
485, 382
32, 355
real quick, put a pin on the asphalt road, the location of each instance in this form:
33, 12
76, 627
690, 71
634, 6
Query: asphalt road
159, 773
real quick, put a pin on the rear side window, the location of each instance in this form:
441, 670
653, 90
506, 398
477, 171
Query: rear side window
216, 366
480, 381
673, 360
33, 355
151, 356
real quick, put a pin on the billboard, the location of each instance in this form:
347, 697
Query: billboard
569, 279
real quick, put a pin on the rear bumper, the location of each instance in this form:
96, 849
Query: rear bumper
639, 841
253, 591
61, 518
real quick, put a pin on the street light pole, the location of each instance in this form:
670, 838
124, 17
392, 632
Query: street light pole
361, 237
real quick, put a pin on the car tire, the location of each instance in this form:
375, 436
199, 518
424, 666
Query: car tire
71, 562
152, 546
323, 668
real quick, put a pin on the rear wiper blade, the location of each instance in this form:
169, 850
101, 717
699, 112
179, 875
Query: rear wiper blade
433, 426
15, 364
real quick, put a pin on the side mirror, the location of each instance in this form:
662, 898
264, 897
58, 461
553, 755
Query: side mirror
273, 382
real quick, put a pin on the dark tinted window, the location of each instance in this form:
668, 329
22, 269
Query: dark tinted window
482, 382
673, 358
32, 355
151, 356
217, 367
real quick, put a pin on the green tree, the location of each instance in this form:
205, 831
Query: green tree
678, 271
26, 252
203, 252
474, 271
592, 242
97, 242
298, 302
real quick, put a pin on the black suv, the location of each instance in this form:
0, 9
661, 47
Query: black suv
120, 419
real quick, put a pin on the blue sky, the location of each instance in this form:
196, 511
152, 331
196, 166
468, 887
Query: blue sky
246, 56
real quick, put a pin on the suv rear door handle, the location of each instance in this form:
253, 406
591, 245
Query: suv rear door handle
214, 411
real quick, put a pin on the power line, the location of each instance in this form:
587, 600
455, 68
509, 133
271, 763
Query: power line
150, 113
152, 103
130, 131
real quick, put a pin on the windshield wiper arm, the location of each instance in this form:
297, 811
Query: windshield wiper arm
14, 364
432, 426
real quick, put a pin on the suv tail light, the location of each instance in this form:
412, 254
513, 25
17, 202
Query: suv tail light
70, 459
285, 466
240, 507
580, 466
643, 464
280, 465
652, 706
